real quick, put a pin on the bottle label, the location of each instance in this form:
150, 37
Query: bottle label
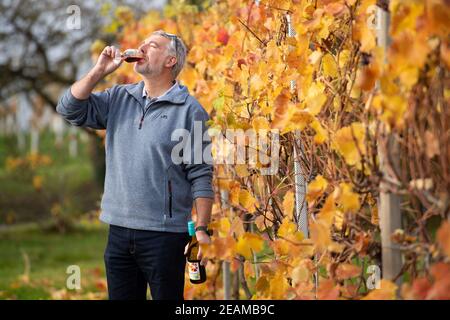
194, 270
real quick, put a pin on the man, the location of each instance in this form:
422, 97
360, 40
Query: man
148, 197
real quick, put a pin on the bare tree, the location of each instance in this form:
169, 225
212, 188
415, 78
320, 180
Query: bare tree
42, 52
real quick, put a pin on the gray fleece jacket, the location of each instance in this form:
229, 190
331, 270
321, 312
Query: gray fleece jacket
144, 189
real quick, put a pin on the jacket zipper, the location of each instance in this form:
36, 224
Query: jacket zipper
170, 198
143, 116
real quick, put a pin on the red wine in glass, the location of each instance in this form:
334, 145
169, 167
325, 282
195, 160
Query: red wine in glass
129, 55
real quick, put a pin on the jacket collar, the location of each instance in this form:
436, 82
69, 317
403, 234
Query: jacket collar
177, 95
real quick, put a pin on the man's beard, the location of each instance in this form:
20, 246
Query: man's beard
148, 70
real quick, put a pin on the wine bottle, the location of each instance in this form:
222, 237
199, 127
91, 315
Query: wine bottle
197, 272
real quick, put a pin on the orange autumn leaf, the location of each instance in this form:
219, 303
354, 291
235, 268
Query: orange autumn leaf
235, 190
363, 33
281, 109
223, 248
368, 76
418, 290
438, 17
347, 270
262, 285
443, 237
320, 235
441, 285
328, 290
387, 291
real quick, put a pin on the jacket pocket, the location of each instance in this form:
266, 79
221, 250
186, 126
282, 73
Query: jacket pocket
169, 187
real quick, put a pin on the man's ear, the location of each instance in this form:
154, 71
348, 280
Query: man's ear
172, 63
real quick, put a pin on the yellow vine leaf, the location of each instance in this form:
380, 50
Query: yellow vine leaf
224, 227
237, 227
300, 119
288, 205
259, 222
315, 57
328, 211
260, 123
344, 143
289, 230
249, 242
363, 31
278, 286
329, 66
320, 235
300, 274
256, 85
338, 220
346, 198
189, 77
241, 170
405, 15
321, 134
393, 110
247, 200
316, 188
280, 247
315, 98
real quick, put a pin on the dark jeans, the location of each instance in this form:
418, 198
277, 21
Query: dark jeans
135, 258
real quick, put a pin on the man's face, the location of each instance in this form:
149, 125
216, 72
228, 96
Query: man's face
157, 56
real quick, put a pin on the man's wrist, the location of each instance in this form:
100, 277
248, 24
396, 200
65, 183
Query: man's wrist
203, 229
97, 74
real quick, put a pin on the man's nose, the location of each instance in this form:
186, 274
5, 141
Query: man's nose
142, 48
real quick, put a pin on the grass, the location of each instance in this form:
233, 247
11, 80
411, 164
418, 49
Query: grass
33, 262
69, 180
34, 259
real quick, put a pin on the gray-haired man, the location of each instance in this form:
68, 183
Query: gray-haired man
148, 197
